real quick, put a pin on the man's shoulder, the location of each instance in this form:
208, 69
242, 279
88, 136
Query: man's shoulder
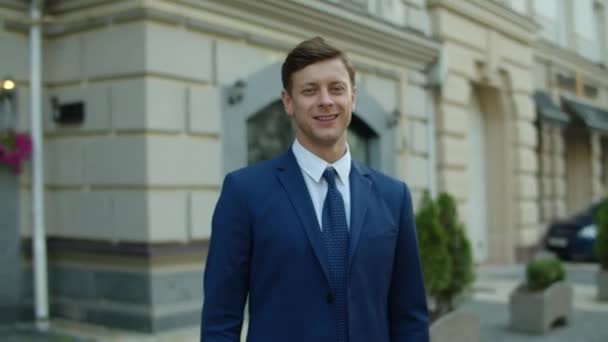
258, 170
380, 178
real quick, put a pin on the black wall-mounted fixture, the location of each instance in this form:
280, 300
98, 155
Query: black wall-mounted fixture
67, 113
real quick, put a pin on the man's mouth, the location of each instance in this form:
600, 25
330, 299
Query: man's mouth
326, 117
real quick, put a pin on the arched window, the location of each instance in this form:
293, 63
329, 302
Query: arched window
255, 126
270, 132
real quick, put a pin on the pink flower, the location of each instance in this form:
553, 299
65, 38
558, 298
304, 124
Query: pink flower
15, 150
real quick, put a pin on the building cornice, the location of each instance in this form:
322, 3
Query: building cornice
367, 36
547, 51
493, 14
10, 11
292, 20
19, 5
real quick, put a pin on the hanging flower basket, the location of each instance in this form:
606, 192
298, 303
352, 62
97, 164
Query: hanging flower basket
15, 149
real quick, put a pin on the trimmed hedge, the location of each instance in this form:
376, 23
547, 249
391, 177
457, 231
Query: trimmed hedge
601, 241
436, 267
459, 250
445, 252
542, 273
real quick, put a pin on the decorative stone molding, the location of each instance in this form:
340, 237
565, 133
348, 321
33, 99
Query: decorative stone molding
14, 4
359, 33
493, 14
565, 58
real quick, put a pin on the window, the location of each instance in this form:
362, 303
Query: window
600, 22
585, 30
255, 126
270, 132
546, 13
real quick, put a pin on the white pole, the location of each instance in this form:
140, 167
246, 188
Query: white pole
39, 236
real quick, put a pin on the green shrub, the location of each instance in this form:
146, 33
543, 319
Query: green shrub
436, 266
542, 273
459, 251
601, 241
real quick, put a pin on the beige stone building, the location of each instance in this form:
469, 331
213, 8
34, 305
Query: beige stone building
148, 104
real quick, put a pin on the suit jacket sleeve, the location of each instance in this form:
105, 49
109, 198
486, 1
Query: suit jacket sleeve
227, 268
407, 297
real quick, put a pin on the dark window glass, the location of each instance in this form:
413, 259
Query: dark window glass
270, 133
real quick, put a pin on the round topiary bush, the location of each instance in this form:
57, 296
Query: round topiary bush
601, 240
542, 273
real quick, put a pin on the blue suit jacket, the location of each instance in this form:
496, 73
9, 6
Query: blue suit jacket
266, 244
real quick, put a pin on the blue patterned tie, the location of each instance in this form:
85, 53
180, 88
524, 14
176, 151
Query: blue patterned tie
335, 235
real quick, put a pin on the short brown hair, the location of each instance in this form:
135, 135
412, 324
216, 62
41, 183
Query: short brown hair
309, 52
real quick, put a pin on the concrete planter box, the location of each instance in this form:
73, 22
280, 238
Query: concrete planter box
602, 285
537, 312
457, 326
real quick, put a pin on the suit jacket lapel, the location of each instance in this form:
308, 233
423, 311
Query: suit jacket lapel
360, 192
291, 178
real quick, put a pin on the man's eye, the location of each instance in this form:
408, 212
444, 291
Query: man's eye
337, 89
308, 91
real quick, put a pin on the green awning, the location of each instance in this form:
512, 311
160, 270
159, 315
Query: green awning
594, 117
547, 109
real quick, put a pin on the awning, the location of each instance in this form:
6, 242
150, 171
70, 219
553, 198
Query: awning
594, 117
547, 109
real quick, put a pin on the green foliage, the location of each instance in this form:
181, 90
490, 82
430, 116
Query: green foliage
436, 266
445, 251
459, 250
601, 241
542, 273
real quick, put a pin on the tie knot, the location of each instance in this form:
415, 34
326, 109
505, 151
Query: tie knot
330, 176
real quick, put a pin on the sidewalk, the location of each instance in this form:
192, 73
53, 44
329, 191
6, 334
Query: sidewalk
489, 301
67, 331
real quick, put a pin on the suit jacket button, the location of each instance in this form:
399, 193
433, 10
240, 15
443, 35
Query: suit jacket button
330, 298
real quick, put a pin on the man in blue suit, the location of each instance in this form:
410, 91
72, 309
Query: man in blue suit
323, 246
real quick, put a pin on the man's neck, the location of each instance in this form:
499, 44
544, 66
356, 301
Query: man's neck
330, 154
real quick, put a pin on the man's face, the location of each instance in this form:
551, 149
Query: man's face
321, 103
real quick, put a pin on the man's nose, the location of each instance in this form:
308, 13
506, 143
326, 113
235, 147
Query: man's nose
325, 98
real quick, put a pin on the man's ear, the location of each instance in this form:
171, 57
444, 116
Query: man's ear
287, 102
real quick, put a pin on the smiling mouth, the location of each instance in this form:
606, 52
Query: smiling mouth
326, 117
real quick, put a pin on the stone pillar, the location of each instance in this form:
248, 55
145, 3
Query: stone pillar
596, 166
10, 257
559, 164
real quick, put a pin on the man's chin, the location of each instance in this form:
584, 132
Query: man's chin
330, 141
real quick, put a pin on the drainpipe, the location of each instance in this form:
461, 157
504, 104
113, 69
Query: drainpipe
39, 236
435, 79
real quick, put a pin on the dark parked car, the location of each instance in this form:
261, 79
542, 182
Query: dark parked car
573, 238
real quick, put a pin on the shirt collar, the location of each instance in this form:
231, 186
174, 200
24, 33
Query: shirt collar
315, 166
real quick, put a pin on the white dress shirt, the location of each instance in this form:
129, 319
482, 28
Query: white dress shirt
312, 170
